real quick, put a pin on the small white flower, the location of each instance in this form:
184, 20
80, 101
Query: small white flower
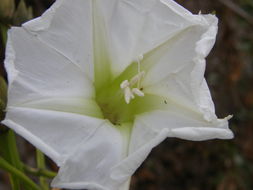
96, 84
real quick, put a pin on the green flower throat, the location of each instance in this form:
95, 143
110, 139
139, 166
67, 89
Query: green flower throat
120, 97
124, 97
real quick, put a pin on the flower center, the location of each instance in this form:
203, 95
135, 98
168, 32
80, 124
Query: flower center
114, 99
121, 99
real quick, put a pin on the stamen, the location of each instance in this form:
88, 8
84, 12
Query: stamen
136, 78
139, 67
139, 58
137, 92
128, 95
124, 84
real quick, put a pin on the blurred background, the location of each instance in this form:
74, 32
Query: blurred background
177, 164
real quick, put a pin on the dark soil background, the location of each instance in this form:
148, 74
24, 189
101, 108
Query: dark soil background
210, 165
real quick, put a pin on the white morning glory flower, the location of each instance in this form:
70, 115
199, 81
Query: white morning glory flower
96, 84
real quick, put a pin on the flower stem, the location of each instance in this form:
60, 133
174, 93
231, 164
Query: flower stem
41, 165
3, 97
10, 153
15, 172
39, 172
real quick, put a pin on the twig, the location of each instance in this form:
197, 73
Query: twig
41, 165
238, 10
39, 172
14, 171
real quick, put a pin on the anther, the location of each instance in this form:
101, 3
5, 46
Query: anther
124, 84
137, 78
128, 95
137, 92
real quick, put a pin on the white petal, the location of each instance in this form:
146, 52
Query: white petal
178, 72
53, 132
136, 27
37, 71
90, 164
101, 46
76, 105
152, 128
128, 166
180, 123
67, 28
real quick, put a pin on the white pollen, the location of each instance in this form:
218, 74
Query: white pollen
137, 92
127, 86
128, 95
124, 84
